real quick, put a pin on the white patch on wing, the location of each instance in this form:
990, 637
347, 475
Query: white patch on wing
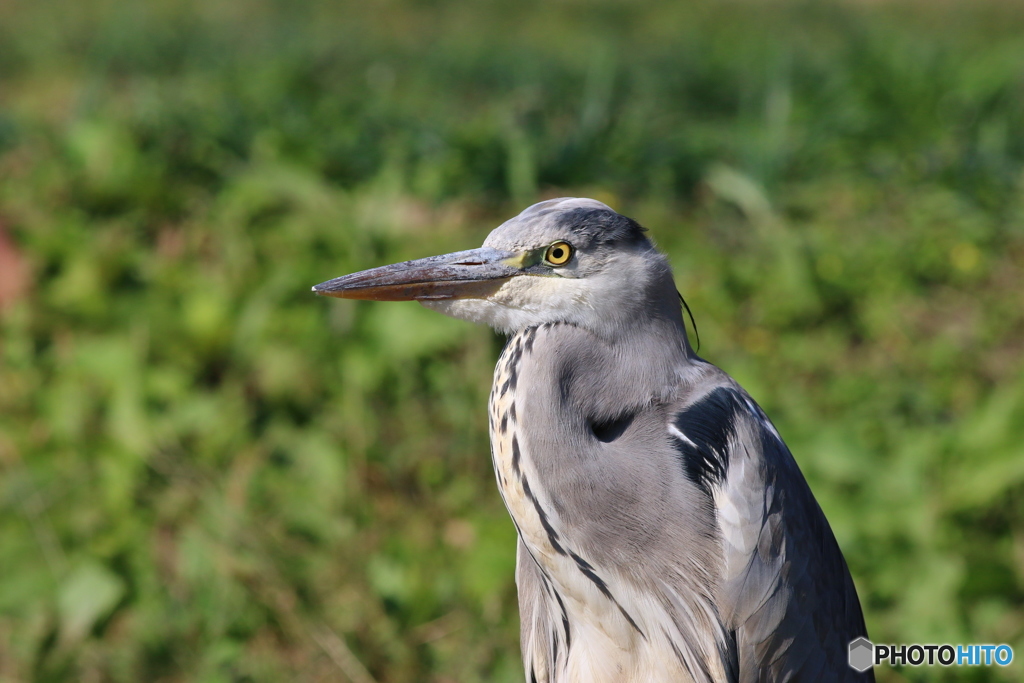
674, 431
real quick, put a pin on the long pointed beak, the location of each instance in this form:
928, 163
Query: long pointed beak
473, 274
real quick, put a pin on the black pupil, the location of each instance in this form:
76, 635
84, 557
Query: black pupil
556, 253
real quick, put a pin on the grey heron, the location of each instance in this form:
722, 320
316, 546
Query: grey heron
665, 531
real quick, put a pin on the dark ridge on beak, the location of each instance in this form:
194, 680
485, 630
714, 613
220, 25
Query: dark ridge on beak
472, 274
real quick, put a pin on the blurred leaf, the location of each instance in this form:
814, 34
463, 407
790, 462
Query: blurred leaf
87, 595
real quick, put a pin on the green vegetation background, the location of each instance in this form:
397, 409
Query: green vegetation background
207, 474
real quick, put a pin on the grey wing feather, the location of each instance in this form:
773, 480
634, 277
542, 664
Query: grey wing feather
787, 594
812, 613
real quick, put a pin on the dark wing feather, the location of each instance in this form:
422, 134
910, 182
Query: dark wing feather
814, 612
787, 594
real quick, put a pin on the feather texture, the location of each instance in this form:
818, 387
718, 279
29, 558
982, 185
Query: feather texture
672, 540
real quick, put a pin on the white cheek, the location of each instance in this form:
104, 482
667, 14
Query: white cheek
553, 297
595, 302
521, 302
487, 312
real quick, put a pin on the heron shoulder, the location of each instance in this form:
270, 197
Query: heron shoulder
785, 590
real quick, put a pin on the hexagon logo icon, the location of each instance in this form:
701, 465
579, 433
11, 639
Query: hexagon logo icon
862, 654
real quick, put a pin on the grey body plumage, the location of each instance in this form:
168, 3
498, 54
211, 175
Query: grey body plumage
665, 531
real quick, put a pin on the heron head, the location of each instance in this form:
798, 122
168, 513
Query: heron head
562, 260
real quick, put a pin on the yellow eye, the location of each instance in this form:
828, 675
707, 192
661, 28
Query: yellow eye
558, 254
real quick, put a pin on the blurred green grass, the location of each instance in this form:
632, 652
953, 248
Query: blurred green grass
206, 474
